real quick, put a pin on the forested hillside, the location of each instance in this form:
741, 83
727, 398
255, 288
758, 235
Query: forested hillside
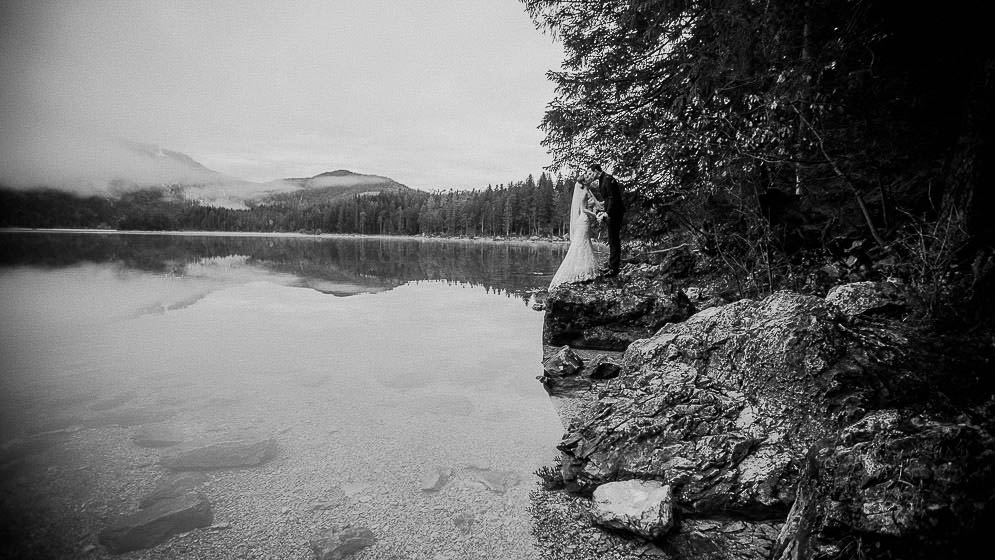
519, 208
783, 137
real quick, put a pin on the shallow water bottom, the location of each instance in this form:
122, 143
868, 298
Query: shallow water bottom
365, 395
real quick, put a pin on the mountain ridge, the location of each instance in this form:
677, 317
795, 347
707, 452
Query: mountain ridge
136, 166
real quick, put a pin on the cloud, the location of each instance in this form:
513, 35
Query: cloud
431, 94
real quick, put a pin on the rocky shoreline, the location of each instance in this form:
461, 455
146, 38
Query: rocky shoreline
793, 426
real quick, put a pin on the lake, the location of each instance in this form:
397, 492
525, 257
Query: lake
374, 363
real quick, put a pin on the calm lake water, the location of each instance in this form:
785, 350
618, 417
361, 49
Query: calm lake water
373, 363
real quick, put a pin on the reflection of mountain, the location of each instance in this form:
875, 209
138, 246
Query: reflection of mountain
338, 266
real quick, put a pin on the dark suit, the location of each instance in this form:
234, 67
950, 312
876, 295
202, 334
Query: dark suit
611, 195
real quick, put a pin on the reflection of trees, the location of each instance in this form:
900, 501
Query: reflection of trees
379, 263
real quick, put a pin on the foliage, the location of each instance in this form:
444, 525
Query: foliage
551, 476
780, 131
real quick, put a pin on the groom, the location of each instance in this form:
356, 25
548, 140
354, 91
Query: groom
611, 196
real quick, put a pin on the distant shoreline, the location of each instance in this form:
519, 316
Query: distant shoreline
287, 234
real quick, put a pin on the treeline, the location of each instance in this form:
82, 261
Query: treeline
376, 263
520, 208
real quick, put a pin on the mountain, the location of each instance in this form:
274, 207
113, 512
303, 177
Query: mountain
329, 186
168, 166
193, 181
116, 167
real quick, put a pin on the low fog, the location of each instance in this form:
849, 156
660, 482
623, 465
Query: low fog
432, 95
94, 164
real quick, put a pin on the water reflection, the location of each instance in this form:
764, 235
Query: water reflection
116, 350
340, 266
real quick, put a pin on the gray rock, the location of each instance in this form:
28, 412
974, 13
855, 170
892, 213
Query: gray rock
563, 363
495, 480
609, 314
710, 406
464, 521
341, 541
788, 407
641, 507
602, 367
722, 539
156, 436
573, 385
222, 454
155, 524
905, 478
435, 480
861, 298
173, 486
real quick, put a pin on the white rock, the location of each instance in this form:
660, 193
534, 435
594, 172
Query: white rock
643, 507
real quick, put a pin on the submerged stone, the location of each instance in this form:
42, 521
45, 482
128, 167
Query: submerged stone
222, 454
153, 525
174, 486
340, 541
156, 436
435, 480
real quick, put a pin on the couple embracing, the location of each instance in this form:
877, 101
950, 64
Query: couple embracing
605, 202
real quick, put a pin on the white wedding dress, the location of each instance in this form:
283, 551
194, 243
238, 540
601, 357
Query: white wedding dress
579, 263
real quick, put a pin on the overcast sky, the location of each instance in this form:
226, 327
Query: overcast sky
432, 93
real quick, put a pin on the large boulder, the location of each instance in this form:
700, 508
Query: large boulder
733, 408
642, 507
153, 525
609, 314
248, 452
908, 485
712, 405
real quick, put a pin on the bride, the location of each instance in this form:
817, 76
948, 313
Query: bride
579, 263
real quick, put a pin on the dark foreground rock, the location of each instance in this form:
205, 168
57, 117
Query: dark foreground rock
341, 541
610, 313
221, 455
155, 524
722, 539
602, 367
791, 427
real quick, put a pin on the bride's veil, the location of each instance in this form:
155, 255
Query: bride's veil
576, 205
